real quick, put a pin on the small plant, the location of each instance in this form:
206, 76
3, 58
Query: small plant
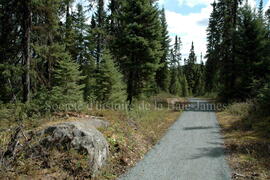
240, 109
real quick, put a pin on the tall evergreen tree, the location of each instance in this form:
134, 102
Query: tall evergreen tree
10, 48
26, 45
251, 54
176, 69
69, 33
229, 11
46, 35
190, 69
213, 45
139, 45
260, 10
100, 30
163, 76
176, 55
192, 59
81, 49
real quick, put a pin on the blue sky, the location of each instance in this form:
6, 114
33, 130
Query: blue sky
189, 19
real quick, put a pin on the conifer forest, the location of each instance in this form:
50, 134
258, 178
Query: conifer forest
56, 54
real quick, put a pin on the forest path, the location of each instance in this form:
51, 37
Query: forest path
192, 149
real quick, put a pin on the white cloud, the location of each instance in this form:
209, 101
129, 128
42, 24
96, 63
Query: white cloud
161, 2
190, 28
252, 3
193, 3
267, 6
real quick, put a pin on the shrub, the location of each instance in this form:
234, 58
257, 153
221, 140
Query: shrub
240, 109
264, 100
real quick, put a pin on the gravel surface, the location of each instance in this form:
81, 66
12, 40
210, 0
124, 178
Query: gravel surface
192, 149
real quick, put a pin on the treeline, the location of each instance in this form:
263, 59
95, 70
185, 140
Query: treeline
238, 52
59, 52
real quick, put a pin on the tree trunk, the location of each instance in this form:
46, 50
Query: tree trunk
26, 44
130, 88
100, 25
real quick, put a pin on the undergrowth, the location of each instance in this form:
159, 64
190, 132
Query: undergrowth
246, 134
130, 135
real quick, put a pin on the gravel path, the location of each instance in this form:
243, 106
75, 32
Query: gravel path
191, 150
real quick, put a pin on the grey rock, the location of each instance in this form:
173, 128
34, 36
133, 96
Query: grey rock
80, 135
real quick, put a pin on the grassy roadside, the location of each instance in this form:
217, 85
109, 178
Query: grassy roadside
249, 152
130, 135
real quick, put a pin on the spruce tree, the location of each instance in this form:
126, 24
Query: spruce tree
260, 10
109, 82
213, 52
100, 30
163, 75
190, 70
114, 6
175, 87
139, 46
199, 88
66, 77
69, 32
80, 29
176, 69
46, 34
192, 59
175, 53
184, 86
252, 53
10, 47
89, 71
229, 11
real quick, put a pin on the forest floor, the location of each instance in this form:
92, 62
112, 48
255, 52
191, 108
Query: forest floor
249, 153
130, 135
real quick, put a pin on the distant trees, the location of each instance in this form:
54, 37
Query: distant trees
175, 68
194, 74
190, 70
189, 78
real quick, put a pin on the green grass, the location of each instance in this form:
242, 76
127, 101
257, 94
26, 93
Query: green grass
240, 109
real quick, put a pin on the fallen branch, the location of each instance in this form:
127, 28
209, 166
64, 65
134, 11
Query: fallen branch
13, 143
238, 175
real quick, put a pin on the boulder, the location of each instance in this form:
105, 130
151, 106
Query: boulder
81, 136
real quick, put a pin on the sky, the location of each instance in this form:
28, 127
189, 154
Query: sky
189, 20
